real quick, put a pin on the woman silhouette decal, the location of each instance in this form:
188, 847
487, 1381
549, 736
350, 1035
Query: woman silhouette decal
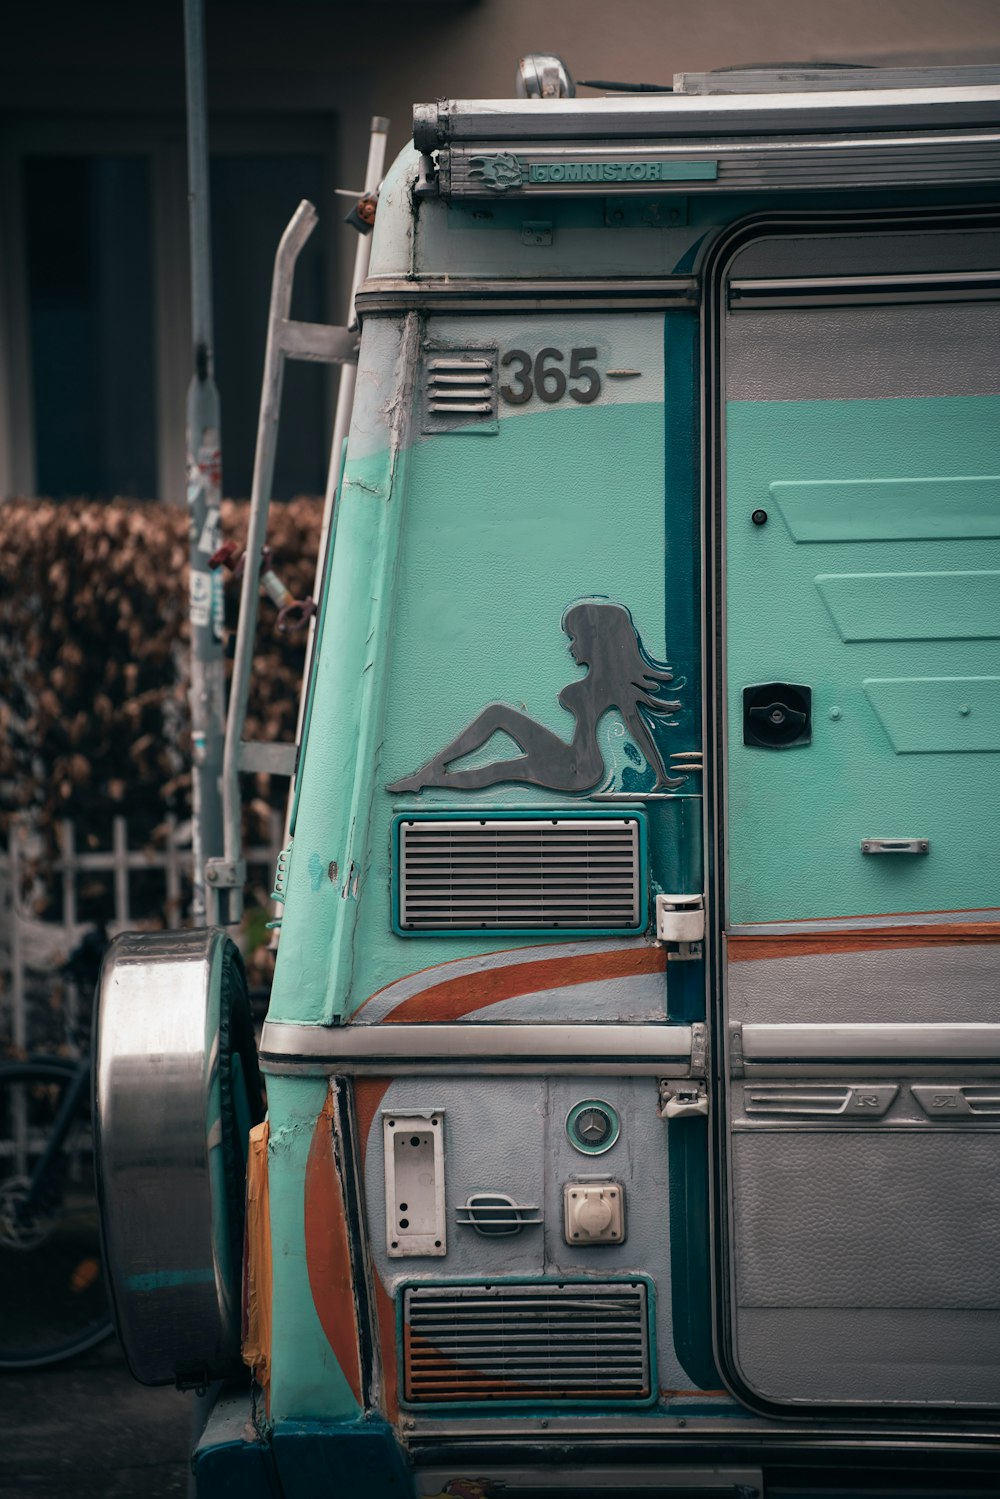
603, 638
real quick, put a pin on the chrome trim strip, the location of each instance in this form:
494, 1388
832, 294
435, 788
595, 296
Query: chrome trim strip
698, 166
430, 1438
927, 1043
899, 919
654, 1050
848, 291
673, 115
470, 294
721, 1482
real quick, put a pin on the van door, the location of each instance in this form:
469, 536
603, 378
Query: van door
859, 739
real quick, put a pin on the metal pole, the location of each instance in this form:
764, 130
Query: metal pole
204, 489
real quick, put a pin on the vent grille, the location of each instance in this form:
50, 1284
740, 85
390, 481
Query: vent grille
460, 388
511, 1341
507, 874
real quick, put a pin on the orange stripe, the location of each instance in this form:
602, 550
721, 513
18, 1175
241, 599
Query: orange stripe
742, 949
453, 998
257, 1278
328, 1257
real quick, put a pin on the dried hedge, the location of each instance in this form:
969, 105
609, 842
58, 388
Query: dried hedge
93, 661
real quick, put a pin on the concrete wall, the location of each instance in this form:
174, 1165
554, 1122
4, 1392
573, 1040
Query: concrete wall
307, 54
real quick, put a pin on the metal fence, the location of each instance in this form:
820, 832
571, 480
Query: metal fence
33, 947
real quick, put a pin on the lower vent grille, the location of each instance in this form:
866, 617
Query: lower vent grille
511, 1341
509, 874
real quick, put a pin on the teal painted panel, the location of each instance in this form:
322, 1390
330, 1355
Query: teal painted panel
307, 1382
938, 715
913, 606
796, 817
498, 538
889, 509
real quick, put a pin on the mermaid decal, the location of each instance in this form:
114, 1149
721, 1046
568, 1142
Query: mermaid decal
603, 638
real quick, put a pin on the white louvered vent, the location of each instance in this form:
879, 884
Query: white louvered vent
460, 388
512, 1341
509, 874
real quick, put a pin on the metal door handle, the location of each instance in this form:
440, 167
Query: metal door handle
895, 845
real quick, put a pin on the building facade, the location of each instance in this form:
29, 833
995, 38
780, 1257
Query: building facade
95, 348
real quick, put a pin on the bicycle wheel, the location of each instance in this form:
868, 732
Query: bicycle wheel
52, 1298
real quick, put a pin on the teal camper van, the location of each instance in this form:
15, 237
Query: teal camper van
632, 1063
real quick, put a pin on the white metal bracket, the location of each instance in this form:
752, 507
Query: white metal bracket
680, 923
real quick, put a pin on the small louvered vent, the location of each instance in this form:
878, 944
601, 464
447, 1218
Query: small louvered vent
509, 874
460, 389
510, 1341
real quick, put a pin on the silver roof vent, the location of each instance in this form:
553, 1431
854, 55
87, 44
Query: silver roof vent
541, 75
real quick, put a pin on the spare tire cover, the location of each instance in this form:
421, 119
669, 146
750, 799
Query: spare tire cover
176, 1090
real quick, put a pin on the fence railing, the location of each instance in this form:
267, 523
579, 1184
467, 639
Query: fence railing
33, 948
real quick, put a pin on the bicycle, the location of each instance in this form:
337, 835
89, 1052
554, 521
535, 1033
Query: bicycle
53, 1303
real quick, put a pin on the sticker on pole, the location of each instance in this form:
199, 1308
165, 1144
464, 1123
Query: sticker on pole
201, 598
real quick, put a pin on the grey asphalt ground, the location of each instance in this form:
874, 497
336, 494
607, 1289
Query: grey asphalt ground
88, 1431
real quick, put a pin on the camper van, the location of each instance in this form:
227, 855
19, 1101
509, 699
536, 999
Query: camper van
632, 1063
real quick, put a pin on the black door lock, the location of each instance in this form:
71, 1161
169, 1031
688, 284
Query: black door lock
777, 715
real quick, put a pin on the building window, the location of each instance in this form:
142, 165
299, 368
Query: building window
90, 324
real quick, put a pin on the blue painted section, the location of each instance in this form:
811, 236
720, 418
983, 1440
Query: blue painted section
498, 538
912, 605
890, 509
938, 715
797, 817
306, 1379
230, 1461
682, 510
690, 1246
331, 538
161, 1280
298, 1459
362, 1460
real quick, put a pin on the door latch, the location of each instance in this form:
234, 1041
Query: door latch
777, 715
682, 1100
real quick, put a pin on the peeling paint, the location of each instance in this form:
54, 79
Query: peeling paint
365, 487
350, 890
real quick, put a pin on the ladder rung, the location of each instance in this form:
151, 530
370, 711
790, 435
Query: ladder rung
319, 341
257, 756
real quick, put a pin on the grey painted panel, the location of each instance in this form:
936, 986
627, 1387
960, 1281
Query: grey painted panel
878, 1219
640, 997
908, 984
885, 1355
508, 1135
863, 353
